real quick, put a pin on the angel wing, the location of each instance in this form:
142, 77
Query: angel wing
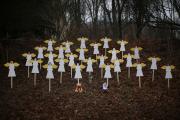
53, 41
57, 48
46, 55
132, 49
163, 67
140, 48
73, 66
172, 67
16, 64
6, 65
125, 42
24, 54
85, 50
36, 48
82, 66
150, 58
75, 55
44, 48
71, 43
54, 55
57, 60
125, 56
33, 55
93, 60
121, 60
117, 51
40, 61
99, 44
110, 51
104, 65
111, 66
45, 66
143, 65
134, 65
92, 44
46, 41
158, 59
54, 66
66, 60
78, 50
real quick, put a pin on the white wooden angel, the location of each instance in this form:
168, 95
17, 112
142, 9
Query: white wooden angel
136, 52
50, 44
139, 72
67, 46
106, 43
35, 68
114, 54
81, 53
129, 63
107, 74
89, 67
101, 58
61, 51
122, 46
61, 67
51, 57
117, 67
83, 42
153, 67
168, 75
11, 65
78, 68
96, 48
50, 74
71, 57
29, 57
40, 50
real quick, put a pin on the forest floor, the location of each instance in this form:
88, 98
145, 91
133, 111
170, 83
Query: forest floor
126, 101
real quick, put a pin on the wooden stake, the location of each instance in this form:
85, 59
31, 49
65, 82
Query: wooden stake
11, 82
117, 77
78, 80
61, 78
71, 72
105, 51
107, 82
49, 85
153, 76
122, 55
129, 72
28, 71
35, 79
168, 84
40, 66
101, 72
139, 82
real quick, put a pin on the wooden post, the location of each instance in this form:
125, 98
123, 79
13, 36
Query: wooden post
71, 72
101, 72
49, 85
35, 79
107, 82
78, 80
153, 75
117, 77
129, 72
105, 51
139, 82
11, 82
61, 78
168, 84
28, 71
122, 55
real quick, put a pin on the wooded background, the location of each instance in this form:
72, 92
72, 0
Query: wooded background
67, 19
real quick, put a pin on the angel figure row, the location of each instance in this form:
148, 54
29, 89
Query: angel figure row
66, 56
